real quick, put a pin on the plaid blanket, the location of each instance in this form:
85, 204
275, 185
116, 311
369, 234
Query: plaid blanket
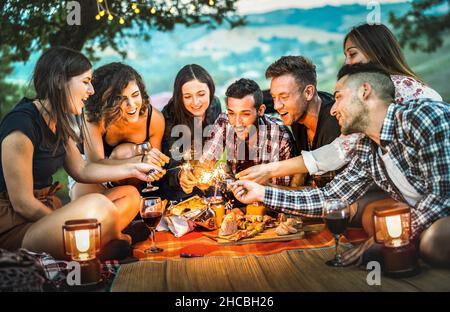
56, 270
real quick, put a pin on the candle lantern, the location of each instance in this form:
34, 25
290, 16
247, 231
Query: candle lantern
392, 228
81, 239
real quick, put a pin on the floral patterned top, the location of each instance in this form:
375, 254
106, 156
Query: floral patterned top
339, 152
408, 88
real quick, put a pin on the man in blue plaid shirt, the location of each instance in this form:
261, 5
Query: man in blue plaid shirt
406, 152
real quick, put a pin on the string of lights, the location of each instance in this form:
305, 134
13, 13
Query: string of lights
163, 7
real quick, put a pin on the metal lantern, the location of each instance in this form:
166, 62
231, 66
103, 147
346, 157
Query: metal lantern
392, 228
81, 239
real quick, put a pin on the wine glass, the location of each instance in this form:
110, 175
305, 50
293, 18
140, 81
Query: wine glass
145, 148
336, 215
151, 211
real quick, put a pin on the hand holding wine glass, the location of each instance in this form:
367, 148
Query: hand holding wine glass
151, 155
147, 151
336, 215
151, 211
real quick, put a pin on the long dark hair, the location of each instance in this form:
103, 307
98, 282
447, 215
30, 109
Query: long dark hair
380, 46
109, 81
52, 72
175, 106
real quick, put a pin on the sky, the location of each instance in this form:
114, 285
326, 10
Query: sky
261, 6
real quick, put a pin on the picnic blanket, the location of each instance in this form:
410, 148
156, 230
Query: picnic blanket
197, 244
292, 270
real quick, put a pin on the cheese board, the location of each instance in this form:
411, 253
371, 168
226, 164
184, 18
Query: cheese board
268, 235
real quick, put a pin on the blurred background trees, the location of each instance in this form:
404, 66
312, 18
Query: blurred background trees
33, 25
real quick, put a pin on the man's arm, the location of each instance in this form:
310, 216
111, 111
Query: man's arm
349, 185
331, 156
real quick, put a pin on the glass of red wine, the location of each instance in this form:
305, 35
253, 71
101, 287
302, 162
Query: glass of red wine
336, 215
146, 148
151, 212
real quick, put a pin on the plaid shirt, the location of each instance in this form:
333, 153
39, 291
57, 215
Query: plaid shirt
274, 143
416, 136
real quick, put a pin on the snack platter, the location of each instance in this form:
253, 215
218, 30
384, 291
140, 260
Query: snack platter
237, 229
268, 235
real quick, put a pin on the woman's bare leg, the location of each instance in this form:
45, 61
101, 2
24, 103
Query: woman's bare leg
114, 210
127, 200
80, 189
121, 151
367, 217
435, 243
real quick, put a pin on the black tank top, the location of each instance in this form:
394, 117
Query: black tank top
108, 149
47, 156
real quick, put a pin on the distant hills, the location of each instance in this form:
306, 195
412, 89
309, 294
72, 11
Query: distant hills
247, 51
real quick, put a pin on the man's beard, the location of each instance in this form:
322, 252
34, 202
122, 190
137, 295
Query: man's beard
359, 122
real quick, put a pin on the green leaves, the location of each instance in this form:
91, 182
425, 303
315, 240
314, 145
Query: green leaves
424, 25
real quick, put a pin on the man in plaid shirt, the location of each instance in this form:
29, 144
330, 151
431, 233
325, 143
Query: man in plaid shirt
406, 152
248, 135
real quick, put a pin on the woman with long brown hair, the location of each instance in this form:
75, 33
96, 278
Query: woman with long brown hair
192, 107
377, 44
37, 138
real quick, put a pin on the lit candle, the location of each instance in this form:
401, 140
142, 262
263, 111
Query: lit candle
82, 240
394, 226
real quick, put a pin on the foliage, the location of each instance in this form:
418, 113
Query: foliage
28, 26
428, 19
9, 92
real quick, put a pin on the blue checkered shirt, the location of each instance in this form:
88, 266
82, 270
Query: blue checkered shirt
416, 136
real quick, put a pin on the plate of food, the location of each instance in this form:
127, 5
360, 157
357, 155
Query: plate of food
188, 206
238, 230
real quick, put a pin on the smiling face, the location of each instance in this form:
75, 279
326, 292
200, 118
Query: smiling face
79, 90
288, 99
350, 111
242, 114
353, 54
131, 102
196, 97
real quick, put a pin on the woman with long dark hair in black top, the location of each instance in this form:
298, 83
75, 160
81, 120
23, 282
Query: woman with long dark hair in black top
38, 137
192, 107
